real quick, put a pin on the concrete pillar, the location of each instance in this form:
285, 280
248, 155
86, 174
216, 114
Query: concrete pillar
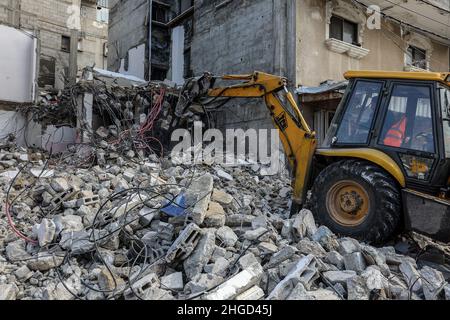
149, 41
291, 44
73, 58
14, 15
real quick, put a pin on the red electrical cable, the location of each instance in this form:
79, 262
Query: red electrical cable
13, 227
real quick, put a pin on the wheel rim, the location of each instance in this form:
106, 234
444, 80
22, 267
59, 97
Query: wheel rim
348, 203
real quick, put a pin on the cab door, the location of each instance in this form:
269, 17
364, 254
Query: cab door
407, 130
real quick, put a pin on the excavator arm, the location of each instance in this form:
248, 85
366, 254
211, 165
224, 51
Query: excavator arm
298, 140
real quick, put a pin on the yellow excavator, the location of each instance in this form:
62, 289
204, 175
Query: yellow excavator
385, 162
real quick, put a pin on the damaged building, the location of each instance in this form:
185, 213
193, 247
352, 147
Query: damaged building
51, 22
151, 39
45, 45
312, 42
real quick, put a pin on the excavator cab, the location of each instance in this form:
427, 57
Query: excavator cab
385, 159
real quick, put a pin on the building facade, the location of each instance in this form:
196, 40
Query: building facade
52, 21
312, 42
151, 39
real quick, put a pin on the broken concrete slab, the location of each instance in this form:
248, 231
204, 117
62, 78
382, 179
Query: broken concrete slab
215, 216
202, 254
46, 231
348, 246
198, 196
222, 197
224, 175
307, 246
411, 276
339, 276
202, 283
282, 255
433, 282
304, 224
185, 244
173, 281
248, 260
227, 236
357, 289
305, 268
140, 287
355, 261
60, 184
15, 251
8, 292
237, 284
253, 294
375, 280
45, 261
336, 259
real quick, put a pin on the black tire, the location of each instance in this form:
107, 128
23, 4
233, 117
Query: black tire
384, 212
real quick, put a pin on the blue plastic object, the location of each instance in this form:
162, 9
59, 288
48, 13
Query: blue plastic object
175, 208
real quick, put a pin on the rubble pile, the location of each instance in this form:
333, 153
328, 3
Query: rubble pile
161, 230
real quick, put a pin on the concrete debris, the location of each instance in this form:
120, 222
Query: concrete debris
227, 236
173, 281
46, 232
222, 197
433, 282
411, 276
341, 277
253, 294
375, 280
45, 261
132, 226
355, 261
195, 263
357, 289
237, 284
304, 272
198, 196
8, 292
185, 244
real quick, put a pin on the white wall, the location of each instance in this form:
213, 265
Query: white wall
136, 62
178, 55
18, 58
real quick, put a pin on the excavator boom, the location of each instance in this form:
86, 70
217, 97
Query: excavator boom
297, 138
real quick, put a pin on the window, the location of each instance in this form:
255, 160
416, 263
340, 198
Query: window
47, 68
408, 123
187, 64
65, 43
158, 73
159, 13
344, 30
417, 57
103, 3
445, 106
358, 118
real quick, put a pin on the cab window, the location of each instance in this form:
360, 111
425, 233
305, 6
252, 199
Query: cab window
408, 122
445, 107
359, 114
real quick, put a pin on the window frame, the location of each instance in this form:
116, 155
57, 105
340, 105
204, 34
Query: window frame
413, 51
342, 114
442, 119
343, 21
434, 119
63, 38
